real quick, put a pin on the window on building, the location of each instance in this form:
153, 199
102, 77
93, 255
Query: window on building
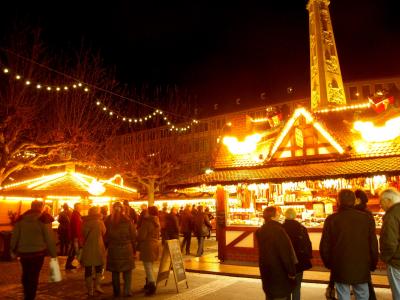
353, 91
378, 87
366, 91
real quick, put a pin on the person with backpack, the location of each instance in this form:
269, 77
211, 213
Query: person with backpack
302, 247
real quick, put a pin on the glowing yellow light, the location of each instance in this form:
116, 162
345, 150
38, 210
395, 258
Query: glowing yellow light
140, 120
130, 120
74, 86
96, 188
261, 120
98, 103
79, 84
58, 88
111, 113
41, 180
360, 146
38, 86
229, 124
104, 108
27, 82
124, 119
86, 89
135, 120
48, 88
160, 112
65, 88
6, 70
247, 146
169, 123
372, 133
344, 108
208, 171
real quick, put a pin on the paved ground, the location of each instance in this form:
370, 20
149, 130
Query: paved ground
201, 286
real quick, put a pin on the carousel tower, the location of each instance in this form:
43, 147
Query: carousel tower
326, 79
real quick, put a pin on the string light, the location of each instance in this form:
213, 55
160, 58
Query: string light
111, 113
344, 108
149, 117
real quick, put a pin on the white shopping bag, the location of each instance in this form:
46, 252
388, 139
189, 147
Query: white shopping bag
55, 273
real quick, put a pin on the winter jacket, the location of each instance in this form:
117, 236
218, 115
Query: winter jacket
301, 244
32, 235
93, 251
76, 227
277, 260
64, 219
148, 239
348, 246
186, 222
171, 227
201, 224
120, 240
390, 237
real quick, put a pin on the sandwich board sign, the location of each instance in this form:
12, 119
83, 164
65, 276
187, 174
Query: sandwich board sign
171, 258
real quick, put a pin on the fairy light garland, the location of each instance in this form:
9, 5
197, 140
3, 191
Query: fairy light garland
80, 86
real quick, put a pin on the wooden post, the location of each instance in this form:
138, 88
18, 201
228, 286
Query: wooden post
220, 204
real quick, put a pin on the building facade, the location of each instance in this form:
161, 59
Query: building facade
198, 146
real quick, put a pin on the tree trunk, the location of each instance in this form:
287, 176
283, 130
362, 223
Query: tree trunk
150, 192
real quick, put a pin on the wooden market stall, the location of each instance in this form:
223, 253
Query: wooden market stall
301, 162
56, 189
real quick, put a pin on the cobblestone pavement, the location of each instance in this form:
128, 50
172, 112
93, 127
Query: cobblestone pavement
201, 286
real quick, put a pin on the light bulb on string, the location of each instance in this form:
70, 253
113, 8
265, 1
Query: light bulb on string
76, 85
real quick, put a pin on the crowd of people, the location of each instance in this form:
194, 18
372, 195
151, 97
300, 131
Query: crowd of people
108, 242
104, 242
348, 248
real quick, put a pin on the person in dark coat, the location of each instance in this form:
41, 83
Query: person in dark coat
149, 246
93, 251
31, 240
186, 226
172, 225
76, 236
349, 247
63, 229
201, 228
162, 215
361, 205
143, 213
302, 247
120, 240
390, 238
277, 259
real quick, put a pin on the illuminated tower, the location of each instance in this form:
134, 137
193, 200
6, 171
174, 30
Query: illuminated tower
326, 79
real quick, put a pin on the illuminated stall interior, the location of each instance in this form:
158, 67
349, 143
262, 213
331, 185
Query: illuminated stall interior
178, 200
59, 188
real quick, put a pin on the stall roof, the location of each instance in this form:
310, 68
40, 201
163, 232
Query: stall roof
69, 184
311, 171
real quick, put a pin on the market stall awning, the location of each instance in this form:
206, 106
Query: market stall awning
69, 184
311, 171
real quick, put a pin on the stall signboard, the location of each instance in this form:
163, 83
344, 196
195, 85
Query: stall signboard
171, 258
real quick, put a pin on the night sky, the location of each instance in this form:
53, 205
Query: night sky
220, 52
